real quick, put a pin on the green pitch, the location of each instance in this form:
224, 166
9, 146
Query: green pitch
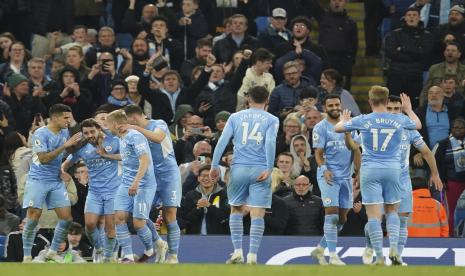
219, 270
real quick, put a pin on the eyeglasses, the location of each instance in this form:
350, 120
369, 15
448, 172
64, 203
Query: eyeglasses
288, 126
17, 50
299, 26
301, 184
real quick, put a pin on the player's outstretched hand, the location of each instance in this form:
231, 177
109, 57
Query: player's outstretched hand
406, 103
214, 173
436, 181
263, 176
133, 189
346, 115
73, 140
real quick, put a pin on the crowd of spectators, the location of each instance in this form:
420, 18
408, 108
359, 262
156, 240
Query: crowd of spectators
191, 63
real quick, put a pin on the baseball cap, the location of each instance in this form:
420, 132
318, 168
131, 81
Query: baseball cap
279, 12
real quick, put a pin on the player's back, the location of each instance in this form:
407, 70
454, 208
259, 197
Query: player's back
381, 135
44, 140
250, 128
162, 153
132, 145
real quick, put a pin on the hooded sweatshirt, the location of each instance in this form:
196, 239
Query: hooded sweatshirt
296, 167
176, 129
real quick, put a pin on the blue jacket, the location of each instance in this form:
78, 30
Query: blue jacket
285, 95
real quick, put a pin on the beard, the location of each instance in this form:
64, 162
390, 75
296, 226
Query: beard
140, 57
334, 114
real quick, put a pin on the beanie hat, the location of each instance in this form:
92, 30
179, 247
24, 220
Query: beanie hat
458, 8
15, 79
119, 82
222, 115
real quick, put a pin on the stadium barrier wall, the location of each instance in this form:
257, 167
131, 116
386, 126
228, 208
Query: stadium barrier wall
280, 250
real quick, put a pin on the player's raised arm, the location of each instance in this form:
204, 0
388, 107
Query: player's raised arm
45, 157
156, 136
350, 143
407, 109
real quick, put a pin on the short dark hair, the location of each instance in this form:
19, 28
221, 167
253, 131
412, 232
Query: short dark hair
80, 27
89, 123
258, 94
203, 42
171, 72
75, 229
451, 77
414, 9
160, 18
58, 109
133, 109
308, 92
302, 19
453, 43
331, 96
333, 74
204, 168
262, 54
394, 99
286, 153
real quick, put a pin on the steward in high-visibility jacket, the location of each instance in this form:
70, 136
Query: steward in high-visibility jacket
429, 217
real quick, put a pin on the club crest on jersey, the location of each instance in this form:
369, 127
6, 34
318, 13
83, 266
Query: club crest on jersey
108, 148
315, 137
37, 142
327, 200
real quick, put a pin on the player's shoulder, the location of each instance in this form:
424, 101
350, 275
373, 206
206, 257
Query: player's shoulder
42, 132
320, 125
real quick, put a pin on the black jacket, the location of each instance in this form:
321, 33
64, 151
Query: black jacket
338, 33
189, 34
24, 110
223, 98
216, 216
286, 47
41, 15
306, 215
186, 69
270, 39
409, 49
161, 107
14, 246
226, 47
172, 48
82, 106
275, 218
440, 33
131, 24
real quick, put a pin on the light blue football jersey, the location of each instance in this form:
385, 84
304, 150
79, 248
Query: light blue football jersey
338, 156
132, 145
253, 132
381, 137
103, 172
44, 140
162, 153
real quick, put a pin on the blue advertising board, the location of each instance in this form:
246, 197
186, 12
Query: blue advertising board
280, 250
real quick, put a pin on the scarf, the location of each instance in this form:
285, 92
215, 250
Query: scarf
458, 152
112, 100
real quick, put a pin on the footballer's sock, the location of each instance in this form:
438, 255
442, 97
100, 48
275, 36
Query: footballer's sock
102, 236
145, 236
61, 230
94, 237
237, 230
392, 226
109, 247
124, 240
29, 234
174, 236
330, 231
257, 226
367, 237
323, 242
403, 234
151, 226
376, 236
